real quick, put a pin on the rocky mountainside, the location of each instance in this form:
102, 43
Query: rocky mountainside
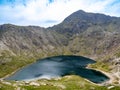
88, 34
19, 39
91, 33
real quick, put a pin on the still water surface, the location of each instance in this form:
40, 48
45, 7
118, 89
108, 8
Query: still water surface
59, 66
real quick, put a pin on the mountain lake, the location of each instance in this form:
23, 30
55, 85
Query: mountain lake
59, 66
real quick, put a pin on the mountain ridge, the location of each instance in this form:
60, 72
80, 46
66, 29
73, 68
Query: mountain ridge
79, 23
87, 34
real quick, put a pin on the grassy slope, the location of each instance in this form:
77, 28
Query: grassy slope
74, 83
14, 64
66, 83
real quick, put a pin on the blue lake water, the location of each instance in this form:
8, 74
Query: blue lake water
58, 66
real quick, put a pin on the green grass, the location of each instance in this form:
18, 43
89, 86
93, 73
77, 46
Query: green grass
101, 66
6, 87
14, 64
66, 83
47, 87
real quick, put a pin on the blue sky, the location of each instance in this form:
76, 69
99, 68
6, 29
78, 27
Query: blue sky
47, 13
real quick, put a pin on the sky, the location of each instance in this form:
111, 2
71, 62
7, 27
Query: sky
46, 13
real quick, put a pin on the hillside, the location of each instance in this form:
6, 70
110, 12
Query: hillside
92, 35
97, 33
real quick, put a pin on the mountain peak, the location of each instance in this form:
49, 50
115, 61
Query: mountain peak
82, 16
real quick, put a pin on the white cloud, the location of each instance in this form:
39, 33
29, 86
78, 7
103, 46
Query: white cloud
43, 13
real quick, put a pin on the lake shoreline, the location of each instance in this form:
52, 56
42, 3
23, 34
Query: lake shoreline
58, 62
111, 78
12, 73
109, 75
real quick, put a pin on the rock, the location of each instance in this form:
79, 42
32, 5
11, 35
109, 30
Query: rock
18, 88
43, 83
7, 83
34, 83
110, 87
